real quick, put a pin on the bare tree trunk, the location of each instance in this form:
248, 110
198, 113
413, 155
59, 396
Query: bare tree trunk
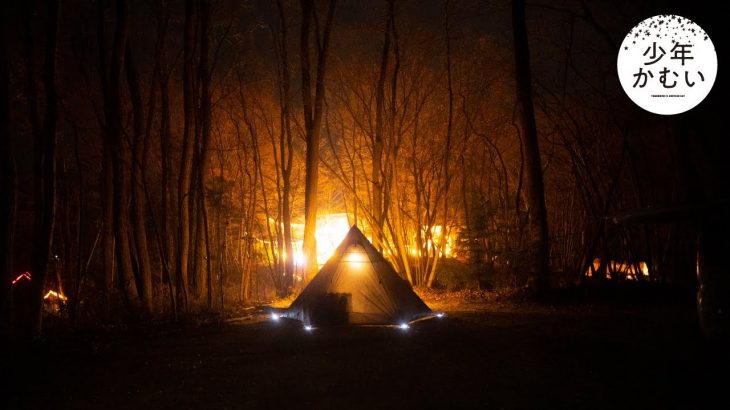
286, 149
441, 246
63, 225
312, 142
137, 176
113, 114
204, 154
107, 176
186, 160
535, 187
312, 106
80, 270
7, 186
377, 167
221, 244
167, 247
45, 168
107, 202
248, 202
204, 228
259, 182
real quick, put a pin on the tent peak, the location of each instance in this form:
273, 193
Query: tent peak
359, 287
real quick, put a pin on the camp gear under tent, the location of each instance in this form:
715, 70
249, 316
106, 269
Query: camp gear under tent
357, 286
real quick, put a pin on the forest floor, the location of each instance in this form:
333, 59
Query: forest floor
482, 354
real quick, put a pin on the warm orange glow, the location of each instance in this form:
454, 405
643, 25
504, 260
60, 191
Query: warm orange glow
448, 243
299, 257
434, 242
629, 270
298, 254
356, 259
52, 294
22, 276
331, 230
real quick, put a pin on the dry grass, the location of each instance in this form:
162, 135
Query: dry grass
283, 302
466, 300
471, 300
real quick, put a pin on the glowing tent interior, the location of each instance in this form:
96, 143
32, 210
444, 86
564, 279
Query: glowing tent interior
357, 286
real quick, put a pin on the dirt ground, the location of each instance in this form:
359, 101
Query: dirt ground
505, 356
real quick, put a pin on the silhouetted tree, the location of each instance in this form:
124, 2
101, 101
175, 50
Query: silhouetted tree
7, 184
535, 187
313, 105
45, 168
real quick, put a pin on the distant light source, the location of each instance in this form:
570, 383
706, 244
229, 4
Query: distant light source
356, 258
440, 315
308, 328
52, 294
331, 230
299, 258
275, 317
404, 326
22, 276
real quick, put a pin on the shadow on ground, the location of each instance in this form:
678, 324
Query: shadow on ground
577, 357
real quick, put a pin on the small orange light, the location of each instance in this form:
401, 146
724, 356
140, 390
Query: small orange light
55, 295
22, 276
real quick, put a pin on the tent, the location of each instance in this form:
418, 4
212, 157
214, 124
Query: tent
357, 286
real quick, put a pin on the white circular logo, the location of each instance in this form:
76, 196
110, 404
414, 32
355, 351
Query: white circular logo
667, 64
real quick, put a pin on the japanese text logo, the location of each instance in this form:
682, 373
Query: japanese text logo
667, 64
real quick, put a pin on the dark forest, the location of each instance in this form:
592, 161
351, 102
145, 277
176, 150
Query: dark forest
187, 168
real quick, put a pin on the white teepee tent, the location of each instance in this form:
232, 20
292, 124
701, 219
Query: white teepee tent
357, 286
